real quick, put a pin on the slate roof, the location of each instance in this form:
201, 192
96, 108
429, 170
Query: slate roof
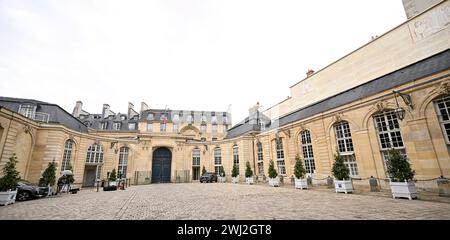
56, 114
418, 70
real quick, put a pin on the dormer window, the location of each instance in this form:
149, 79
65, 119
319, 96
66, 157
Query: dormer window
123, 117
97, 117
104, 125
190, 119
28, 111
135, 117
181, 114
131, 126
203, 118
150, 117
175, 118
214, 119
117, 125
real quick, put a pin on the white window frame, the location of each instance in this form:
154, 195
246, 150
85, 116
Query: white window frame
343, 135
123, 162
260, 153
280, 156
28, 111
117, 125
442, 118
67, 156
104, 125
307, 150
132, 124
236, 156
95, 154
391, 129
217, 160
196, 157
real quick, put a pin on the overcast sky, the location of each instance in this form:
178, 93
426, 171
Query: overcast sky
186, 54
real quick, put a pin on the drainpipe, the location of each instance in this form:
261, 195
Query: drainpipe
253, 147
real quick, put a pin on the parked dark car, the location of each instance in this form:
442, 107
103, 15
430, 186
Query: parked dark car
27, 190
208, 177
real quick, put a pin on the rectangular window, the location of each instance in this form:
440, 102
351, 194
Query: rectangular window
196, 157
280, 156
443, 110
214, 119
345, 146
123, 163
217, 160
104, 125
308, 155
150, 117
28, 111
162, 127
389, 135
149, 127
117, 125
260, 160
214, 129
132, 126
175, 128
236, 156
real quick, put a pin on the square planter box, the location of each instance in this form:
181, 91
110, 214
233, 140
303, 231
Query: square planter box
403, 189
8, 197
344, 186
301, 183
249, 180
274, 182
234, 179
222, 179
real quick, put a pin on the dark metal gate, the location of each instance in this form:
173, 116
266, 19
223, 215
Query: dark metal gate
162, 160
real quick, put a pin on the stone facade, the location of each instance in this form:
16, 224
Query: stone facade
350, 107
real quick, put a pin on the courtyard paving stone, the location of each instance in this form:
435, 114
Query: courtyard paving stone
222, 201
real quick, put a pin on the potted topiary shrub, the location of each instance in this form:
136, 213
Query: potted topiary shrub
273, 179
8, 183
48, 177
248, 174
235, 174
222, 178
401, 175
300, 172
341, 173
112, 179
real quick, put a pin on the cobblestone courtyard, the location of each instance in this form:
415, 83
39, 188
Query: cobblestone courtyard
222, 201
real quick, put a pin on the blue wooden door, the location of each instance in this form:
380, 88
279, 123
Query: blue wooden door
162, 161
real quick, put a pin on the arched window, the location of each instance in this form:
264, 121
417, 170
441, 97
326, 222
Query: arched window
236, 156
195, 164
280, 156
442, 106
68, 146
345, 146
95, 154
123, 162
307, 150
260, 159
389, 135
217, 160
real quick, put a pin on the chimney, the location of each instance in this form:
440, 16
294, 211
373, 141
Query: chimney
105, 111
309, 73
78, 108
144, 106
253, 110
131, 111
